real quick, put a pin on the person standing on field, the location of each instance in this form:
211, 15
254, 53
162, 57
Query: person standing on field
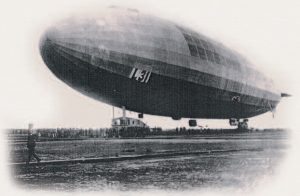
31, 143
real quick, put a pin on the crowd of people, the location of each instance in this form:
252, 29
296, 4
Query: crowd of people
125, 132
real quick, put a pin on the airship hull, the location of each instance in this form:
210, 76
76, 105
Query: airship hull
146, 81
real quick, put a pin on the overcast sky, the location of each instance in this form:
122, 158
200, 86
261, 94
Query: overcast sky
265, 32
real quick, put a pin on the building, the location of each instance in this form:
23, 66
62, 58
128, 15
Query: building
124, 122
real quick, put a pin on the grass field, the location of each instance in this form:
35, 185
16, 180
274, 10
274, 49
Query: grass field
255, 155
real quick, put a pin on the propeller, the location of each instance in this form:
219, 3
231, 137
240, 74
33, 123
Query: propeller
272, 109
273, 112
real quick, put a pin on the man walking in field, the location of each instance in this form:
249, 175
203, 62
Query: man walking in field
31, 142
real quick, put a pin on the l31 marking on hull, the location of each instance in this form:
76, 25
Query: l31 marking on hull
140, 75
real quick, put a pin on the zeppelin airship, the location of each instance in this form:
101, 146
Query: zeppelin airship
154, 66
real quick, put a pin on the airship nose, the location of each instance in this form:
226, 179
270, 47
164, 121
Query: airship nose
65, 56
56, 55
48, 49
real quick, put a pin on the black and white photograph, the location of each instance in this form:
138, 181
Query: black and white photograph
150, 97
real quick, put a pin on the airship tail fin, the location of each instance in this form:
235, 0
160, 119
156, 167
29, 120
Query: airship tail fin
285, 95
